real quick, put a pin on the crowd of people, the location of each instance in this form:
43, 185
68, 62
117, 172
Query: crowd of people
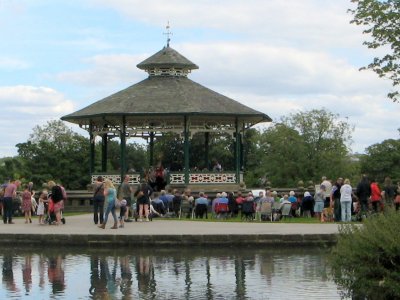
48, 207
330, 201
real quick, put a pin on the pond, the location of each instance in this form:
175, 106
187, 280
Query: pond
188, 273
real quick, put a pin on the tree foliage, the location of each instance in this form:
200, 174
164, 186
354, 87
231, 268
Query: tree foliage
366, 260
381, 19
382, 159
324, 138
169, 149
55, 152
135, 156
305, 146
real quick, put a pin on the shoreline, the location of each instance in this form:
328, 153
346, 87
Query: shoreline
80, 231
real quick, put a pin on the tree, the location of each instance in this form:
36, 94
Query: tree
305, 146
169, 148
54, 151
279, 158
382, 21
382, 159
10, 168
325, 140
366, 259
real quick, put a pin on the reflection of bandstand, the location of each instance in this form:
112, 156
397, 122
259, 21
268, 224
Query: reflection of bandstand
167, 101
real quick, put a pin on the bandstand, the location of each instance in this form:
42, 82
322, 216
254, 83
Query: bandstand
167, 101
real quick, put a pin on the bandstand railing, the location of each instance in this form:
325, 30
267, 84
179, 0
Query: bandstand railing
178, 178
134, 178
204, 178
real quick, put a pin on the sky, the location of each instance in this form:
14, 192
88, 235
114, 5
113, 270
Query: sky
278, 57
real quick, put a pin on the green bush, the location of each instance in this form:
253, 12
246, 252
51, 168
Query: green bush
366, 260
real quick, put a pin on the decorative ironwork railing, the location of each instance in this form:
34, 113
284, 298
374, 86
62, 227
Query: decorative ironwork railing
116, 179
177, 178
203, 178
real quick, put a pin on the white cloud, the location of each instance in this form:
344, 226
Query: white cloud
24, 107
8, 63
105, 70
310, 23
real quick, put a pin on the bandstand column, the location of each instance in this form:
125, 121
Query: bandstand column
206, 152
151, 145
186, 149
92, 149
123, 147
104, 148
237, 151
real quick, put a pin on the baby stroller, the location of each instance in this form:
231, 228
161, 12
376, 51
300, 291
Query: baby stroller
51, 216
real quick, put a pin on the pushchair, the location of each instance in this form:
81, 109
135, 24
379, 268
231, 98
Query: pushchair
51, 218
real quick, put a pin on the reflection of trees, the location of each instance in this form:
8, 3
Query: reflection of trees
240, 277
209, 286
188, 280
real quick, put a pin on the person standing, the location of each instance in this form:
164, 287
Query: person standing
346, 192
376, 196
57, 198
143, 198
110, 195
328, 190
389, 192
335, 199
40, 209
27, 204
10, 193
319, 201
363, 192
98, 201
125, 192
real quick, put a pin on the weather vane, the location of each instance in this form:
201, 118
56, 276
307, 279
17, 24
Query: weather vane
168, 33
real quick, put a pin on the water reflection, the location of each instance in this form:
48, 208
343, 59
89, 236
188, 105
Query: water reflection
166, 274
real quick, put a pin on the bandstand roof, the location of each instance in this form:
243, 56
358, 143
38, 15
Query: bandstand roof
167, 94
167, 57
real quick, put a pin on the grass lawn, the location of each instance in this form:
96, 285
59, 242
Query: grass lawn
238, 219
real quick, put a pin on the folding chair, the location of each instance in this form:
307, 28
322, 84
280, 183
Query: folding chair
286, 210
266, 211
221, 210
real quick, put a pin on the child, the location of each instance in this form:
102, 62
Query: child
40, 208
34, 203
122, 213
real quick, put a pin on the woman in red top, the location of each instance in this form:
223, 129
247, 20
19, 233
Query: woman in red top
375, 195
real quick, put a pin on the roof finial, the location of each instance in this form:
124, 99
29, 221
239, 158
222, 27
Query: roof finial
168, 33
